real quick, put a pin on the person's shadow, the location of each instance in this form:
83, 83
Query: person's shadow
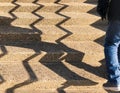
74, 58
39, 46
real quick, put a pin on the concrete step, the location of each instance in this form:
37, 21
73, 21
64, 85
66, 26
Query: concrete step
17, 34
6, 1
80, 18
70, 18
30, 75
6, 7
14, 1
49, 1
75, 33
17, 18
49, 72
62, 1
46, 33
72, 7
53, 77
47, 7
42, 26
70, 51
24, 83
91, 90
60, 91
22, 7
24, 18
67, 1
18, 78
79, 7
11, 33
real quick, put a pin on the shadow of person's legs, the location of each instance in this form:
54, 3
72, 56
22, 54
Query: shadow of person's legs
54, 63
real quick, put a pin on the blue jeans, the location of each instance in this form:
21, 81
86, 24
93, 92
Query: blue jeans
112, 52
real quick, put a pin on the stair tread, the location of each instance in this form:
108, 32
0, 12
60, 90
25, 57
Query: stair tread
87, 29
51, 87
19, 3
74, 78
69, 3
6, 4
54, 19
78, 33
79, 19
16, 30
63, 1
69, 14
69, 46
49, 1
47, 32
26, 15
25, 18
5, 14
26, 4
50, 7
51, 29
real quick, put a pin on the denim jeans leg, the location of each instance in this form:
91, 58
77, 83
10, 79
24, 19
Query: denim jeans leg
119, 54
111, 46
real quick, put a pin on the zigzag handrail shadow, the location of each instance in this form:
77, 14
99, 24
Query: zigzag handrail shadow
32, 76
12, 10
33, 12
39, 16
63, 21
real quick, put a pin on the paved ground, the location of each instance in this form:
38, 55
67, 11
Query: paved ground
51, 46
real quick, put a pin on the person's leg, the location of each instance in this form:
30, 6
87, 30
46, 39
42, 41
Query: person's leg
119, 54
112, 42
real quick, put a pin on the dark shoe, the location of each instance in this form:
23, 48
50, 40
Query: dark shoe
110, 86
